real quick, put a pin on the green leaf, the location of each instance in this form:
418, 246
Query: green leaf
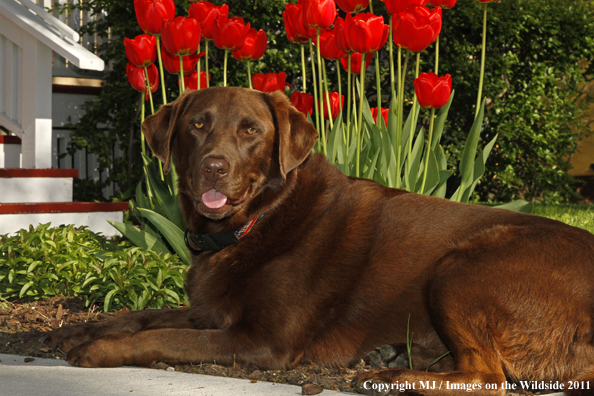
171, 232
140, 238
25, 288
517, 206
469, 153
440, 121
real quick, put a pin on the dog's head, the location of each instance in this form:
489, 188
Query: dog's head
229, 146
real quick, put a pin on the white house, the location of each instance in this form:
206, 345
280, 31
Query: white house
45, 75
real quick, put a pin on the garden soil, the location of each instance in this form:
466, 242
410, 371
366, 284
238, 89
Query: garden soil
24, 325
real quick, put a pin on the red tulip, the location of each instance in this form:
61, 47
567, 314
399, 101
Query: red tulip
417, 27
297, 31
356, 62
270, 82
151, 13
365, 32
229, 33
352, 5
328, 48
171, 62
181, 36
142, 50
191, 80
443, 3
318, 13
384, 114
137, 78
340, 35
206, 13
335, 106
253, 47
395, 6
433, 91
302, 102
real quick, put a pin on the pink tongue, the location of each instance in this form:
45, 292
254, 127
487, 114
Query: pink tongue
214, 199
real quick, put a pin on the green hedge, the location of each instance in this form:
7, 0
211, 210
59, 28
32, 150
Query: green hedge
42, 262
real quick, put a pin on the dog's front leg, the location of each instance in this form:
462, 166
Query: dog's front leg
145, 348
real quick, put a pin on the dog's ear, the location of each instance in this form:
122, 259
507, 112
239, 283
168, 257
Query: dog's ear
297, 135
159, 129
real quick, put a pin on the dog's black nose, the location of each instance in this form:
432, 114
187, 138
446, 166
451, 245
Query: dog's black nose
215, 168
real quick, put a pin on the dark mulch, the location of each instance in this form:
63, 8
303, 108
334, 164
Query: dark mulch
24, 325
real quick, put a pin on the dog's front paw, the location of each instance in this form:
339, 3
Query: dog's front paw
68, 337
104, 352
371, 383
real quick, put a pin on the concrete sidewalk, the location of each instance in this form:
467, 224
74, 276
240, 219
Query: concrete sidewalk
47, 377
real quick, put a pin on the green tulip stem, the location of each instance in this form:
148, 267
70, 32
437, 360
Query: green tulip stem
328, 106
161, 74
437, 56
249, 68
428, 152
413, 124
348, 128
339, 84
148, 84
142, 111
182, 84
360, 117
304, 85
482, 75
206, 63
225, 69
313, 78
320, 83
390, 45
198, 69
378, 88
398, 140
370, 6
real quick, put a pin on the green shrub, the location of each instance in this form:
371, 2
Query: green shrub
43, 262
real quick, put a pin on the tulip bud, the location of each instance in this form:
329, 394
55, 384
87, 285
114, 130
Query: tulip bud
142, 50
229, 33
335, 104
352, 6
191, 81
328, 48
137, 78
303, 102
171, 62
365, 32
384, 113
181, 36
356, 62
297, 31
151, 13
207, 13
417, 27
270, 82
254, 46
432, 91
318, 13
395, 6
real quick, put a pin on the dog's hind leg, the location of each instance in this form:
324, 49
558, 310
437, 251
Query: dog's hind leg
68, 337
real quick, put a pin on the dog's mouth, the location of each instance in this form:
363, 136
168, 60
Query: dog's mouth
214, 201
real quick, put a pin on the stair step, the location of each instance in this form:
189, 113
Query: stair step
94, 215
36, 185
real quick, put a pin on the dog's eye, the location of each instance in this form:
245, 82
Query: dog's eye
199, 125
251, 131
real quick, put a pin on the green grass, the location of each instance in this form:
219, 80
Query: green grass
581, 216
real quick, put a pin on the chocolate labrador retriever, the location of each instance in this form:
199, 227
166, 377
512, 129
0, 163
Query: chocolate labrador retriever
294, 262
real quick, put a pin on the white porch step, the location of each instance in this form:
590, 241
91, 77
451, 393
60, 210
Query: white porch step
94, 215
36, 185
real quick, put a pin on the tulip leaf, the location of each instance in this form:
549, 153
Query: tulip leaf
171, 232
416, 153
517, 206
440, 121
469, 153
140, 238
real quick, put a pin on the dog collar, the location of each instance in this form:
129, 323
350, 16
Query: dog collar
218, 240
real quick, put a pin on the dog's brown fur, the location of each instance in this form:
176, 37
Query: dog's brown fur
338, 264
